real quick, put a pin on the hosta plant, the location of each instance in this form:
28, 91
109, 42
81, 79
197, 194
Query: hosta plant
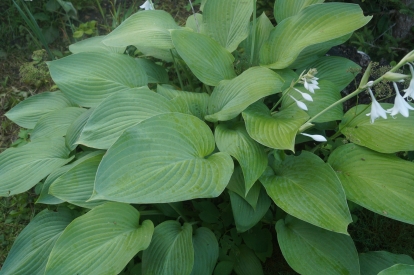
179, 149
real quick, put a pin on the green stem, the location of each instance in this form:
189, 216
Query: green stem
176, 69
254, 33
178, 212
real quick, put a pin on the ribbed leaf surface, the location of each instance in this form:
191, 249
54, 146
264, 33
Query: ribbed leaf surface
206, 251
28, 112
75, 129
230, 98
374, 262
87, 78
398, 269
207, 59
94, 44
308, 188
102, 241
312, 250
120, 111
155, 73
227, 22
32, 247
313, 25
237, 185
171, 250
287, 8
21, 168
382, 183
165, 158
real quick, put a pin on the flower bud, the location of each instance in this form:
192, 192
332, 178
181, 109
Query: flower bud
395, 76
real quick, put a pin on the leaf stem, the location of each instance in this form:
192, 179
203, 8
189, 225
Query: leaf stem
178, 212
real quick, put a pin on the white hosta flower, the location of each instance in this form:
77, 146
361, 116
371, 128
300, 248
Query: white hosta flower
409, 92
318, 138
376, 109
147, 6
400, 105
300, 103
304, 95
311, 84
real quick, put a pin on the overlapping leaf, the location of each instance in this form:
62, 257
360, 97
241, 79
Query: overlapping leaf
102, 241
274, 130
246, 262
237, 185
291, 36
155, 73
312, 250
94, 44
379, 182
21, 168
374, 262
231, 97
75, 129
192, 47
165, 158
398, 269
206, 251
286, 8
28, 112
87, 78
120, 111
385, 136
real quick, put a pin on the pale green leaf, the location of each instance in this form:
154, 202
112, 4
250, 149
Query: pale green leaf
32, 247
87, 78
322, 98
119, 112
234, 140
307, 188
374, 261
76, 185
398, 269
21, 168
379, 182
197, 102
231, 97
338, 70
384, 135
195, 22
44, 196
174, 155
313, 25
75, 129
102, 241
155, 73
227, 22
246, 262
276, 130
94, 44
312, 250
206, 251
237, 185
56, 123
209, 61
245, 216
287, 8
147, 29
171, 250
28, 112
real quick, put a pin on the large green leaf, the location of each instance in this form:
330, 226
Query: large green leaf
102, 241
56, 123
398, 269
94, 44
322, 98
21, 168
384, 135
28, 112
313, 25
261, 34
120, 111
75, 129
245, 216
307, 188
237, 185
209, 61
148, 29
155, 73
227, 22
171, 250
338, 70
379, 182
197, 102
373, 262
246, 262
206, 251
312, 250
76, 185
32, 247
165, 158
231, 97
276, 130
87, 78
234, 140
287, 8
